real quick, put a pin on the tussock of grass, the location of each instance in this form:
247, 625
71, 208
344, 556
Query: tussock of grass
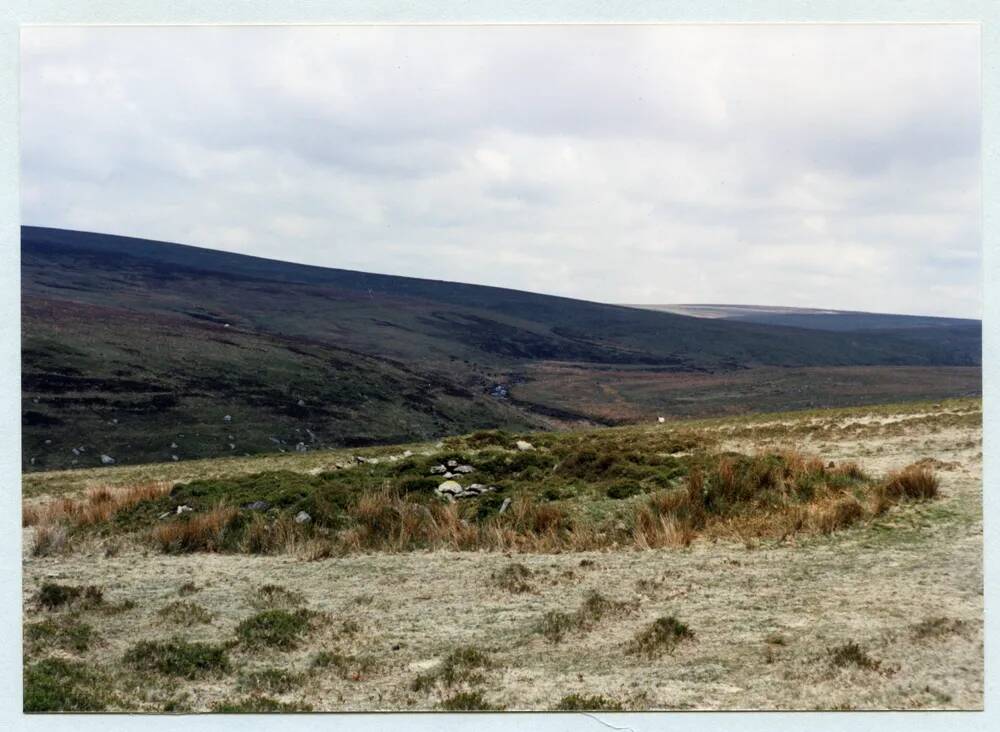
259, 705
270, 680
851, 654
99, 505
461, 666
661, 637
272, 597
58, 685
177, 657
184, 613
584, 703
513, 578
279, 629
348, 667
52, 596
938, 627
49, 539
555, 625
468, 701
212, 531
913, 483
67, 634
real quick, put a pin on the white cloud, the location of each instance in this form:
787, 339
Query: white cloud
832, 166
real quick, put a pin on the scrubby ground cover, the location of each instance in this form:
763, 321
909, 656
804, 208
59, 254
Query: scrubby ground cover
812, 560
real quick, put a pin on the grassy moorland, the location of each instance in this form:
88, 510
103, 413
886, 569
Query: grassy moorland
820, 559
146, 352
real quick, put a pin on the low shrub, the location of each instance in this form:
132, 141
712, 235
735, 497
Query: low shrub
274, 628
177, 657
259, 705
58, 685
468, 701
271, 680
851, 654
661, 637
52, 595
184, 613
68, 634
348, 667
583, 703
513, 578
460, 666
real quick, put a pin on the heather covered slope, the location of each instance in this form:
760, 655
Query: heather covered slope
139, 350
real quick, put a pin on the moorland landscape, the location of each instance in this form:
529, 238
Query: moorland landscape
256, 486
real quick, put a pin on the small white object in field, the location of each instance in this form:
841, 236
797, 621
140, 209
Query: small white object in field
107, 460
184, 509
302, 517
661, 420
450, 486
174, 458
227, 418
505, 505
524, 445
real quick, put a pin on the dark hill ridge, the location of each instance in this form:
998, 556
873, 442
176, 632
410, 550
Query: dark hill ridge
131, 346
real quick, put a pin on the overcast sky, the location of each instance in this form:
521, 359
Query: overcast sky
817, 166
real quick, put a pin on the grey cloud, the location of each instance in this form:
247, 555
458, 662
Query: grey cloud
793, 165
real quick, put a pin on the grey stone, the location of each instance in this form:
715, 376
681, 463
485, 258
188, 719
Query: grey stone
302, 517
505, 505
174, 458
107, 460
450, 486
438, 470
464, 469
524, 445
184, 508
227, 418
452, 463
258, 506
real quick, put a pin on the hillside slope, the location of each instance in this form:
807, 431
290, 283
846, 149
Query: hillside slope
140, 350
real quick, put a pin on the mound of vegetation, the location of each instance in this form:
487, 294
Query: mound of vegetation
576, 491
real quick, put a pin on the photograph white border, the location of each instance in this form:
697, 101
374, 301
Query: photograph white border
16, 13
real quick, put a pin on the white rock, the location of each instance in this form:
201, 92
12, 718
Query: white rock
184, 509
452, 463
505, 505
174, 458
107, 460
450, 486
464, 469
407, 453
227, 418
439, 470
302, 517
524, 445
661, 420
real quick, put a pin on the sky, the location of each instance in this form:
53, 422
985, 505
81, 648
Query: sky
799, 165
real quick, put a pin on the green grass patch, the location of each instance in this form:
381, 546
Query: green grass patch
68, 634
58, 685
663, 636
279, 629
177, 657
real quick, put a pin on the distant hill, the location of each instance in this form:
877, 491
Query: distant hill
140, 350
838, 320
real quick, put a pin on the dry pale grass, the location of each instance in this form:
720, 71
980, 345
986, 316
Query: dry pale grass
201, 532
99, 504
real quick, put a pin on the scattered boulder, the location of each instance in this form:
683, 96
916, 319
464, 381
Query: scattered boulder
524, 445
173, 445
661, 420
301, 447
184, 508
165, 515
257, 506
301, 402
463, 469
439, 470
505, 505
407, 453
452, 463
228, 418
174, 458
302, 518
449, 474
107, 460
450, 486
